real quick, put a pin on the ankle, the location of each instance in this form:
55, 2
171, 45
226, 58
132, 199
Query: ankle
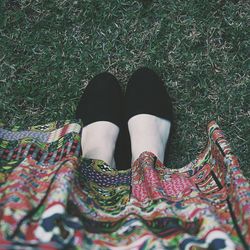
99, 153
148, 133
153, 145
98, 141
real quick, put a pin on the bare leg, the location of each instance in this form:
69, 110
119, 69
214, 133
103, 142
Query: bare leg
98, 141
148, 133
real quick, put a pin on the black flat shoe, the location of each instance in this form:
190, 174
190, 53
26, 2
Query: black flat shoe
102, 100
146, 94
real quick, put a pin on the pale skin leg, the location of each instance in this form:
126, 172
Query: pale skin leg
148, 133
98, 141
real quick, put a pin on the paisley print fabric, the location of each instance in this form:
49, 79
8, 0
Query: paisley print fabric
50, 198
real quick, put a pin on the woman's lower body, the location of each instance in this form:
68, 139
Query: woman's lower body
145, 111
52, 199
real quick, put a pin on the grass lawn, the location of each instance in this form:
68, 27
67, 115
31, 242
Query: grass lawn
49, 50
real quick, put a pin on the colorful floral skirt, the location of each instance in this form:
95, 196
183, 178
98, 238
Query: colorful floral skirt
50, 198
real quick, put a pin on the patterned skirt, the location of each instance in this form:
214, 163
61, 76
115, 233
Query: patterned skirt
50, 198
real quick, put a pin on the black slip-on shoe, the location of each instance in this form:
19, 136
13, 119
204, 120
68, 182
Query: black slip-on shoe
146, 94
102, 100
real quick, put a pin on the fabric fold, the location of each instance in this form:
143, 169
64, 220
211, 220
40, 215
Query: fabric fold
50, 198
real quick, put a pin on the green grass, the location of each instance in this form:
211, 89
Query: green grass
49, 50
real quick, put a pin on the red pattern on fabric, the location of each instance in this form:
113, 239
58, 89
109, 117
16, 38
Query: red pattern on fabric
153, 186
